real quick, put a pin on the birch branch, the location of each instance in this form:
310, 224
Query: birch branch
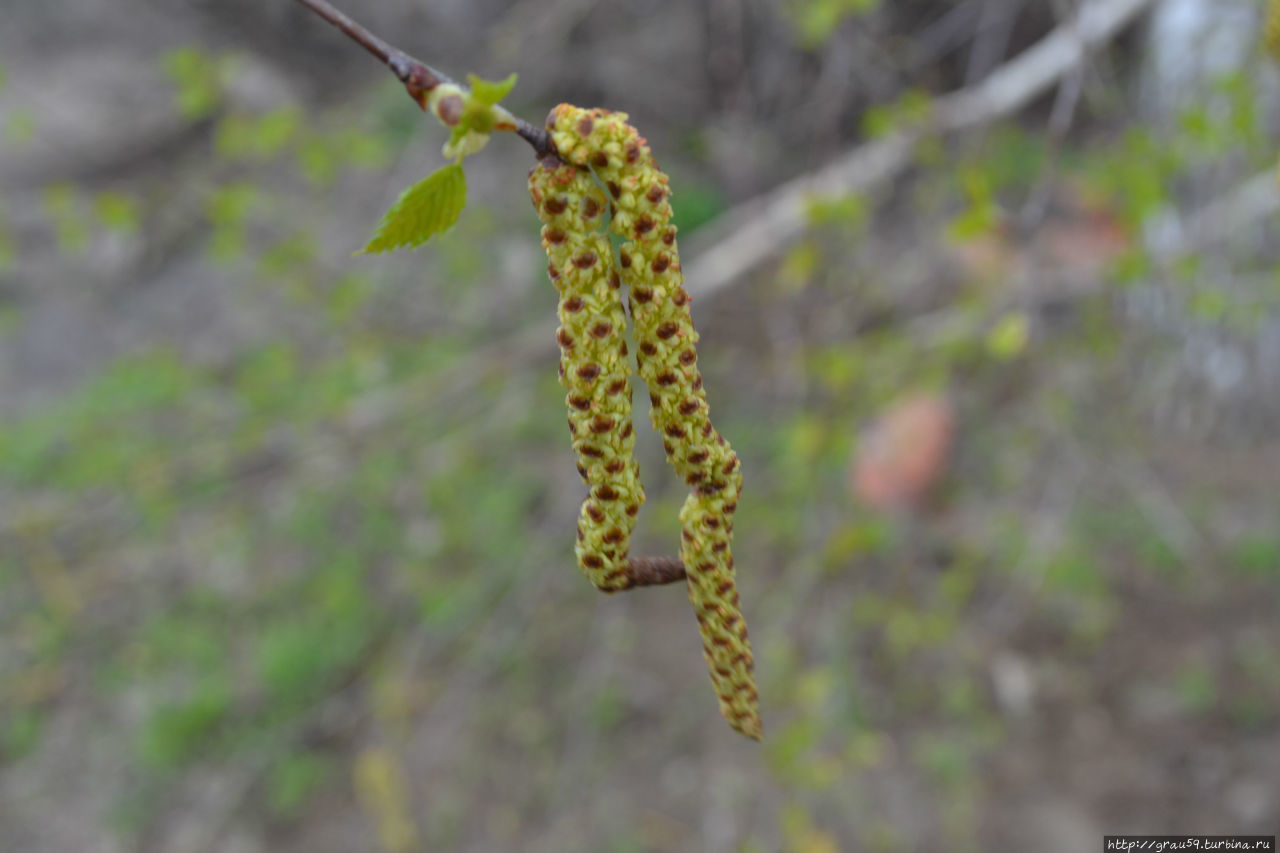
418, 77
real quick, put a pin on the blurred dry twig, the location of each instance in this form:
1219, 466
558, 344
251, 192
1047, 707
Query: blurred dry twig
756, 230
1249, 202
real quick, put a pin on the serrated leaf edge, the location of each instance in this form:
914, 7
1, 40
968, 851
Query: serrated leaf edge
412, 221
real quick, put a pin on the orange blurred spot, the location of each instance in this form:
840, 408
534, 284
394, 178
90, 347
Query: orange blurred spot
903, 455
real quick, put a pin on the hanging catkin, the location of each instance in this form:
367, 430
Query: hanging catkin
593, 366
650, 267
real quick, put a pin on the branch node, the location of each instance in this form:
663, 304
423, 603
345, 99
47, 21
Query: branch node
419, 78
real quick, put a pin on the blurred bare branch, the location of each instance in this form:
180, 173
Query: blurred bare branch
756, 230
1250, 202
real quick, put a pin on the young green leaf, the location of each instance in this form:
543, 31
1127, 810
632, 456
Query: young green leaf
427, 208
489, 93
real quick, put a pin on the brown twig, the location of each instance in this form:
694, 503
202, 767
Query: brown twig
418, 77
653, 571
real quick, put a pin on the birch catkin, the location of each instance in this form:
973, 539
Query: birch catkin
667, 359
593, 366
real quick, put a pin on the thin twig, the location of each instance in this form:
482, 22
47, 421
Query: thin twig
418, 77
995, 29
653, 571
401, 64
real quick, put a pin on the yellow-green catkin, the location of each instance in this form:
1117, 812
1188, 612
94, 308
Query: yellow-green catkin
594, 368
667, 359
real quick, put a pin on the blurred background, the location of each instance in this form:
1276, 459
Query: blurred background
286, 535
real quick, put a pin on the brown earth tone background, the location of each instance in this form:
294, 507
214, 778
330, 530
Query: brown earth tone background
286, 535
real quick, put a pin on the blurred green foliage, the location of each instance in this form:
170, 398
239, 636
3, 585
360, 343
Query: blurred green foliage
816, 20
235, 545
200, 79
909, 109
